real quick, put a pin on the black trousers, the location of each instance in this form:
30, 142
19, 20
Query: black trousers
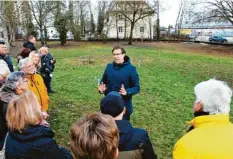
47, 81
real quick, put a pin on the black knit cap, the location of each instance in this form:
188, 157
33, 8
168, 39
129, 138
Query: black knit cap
112, 104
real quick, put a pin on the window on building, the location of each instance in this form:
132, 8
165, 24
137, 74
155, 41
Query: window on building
120, 29
142, 29
120, 17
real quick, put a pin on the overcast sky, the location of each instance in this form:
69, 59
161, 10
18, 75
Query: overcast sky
169, 15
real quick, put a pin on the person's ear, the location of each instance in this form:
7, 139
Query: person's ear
198, 107
116, 154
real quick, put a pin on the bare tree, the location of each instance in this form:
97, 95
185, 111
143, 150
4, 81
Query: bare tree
102, 9
27, 23
61, 20
78, 17
41, 11
92, 19
207, 11
9, 17
134, 11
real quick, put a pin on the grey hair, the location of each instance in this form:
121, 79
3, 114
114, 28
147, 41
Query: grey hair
22, 62
3, 67
215, 96
14, 78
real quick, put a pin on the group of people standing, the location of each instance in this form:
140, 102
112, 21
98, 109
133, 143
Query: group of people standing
25, 133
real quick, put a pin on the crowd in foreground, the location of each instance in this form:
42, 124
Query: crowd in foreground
25, 133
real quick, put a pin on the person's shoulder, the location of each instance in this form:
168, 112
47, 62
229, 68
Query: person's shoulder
109, 65
140, 131
140, 134
38, 76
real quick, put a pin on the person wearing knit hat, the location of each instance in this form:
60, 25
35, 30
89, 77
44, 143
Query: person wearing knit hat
133, 141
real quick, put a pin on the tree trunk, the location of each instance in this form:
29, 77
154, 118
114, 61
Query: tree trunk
45, 34
150, 25
13, 34
41, 35
158, 30
125, 29
5, 33
131, 34
117, 29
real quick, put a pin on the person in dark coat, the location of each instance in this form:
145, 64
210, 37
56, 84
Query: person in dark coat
30, 43
121, 76
15, 84
134, 142
29, 135
5, 57
47, 67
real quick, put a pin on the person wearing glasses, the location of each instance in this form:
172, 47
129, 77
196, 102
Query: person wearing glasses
5, 57
35, 82
121, 76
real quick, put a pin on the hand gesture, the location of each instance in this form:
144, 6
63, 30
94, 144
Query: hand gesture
45, 115
122, 90
102, 87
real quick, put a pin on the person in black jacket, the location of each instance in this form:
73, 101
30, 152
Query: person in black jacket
31, 40
47, 67
121, 76
15, 84
28, 47
134, 142
5, 57
29, 135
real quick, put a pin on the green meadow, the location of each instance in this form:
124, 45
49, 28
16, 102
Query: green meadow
162, 107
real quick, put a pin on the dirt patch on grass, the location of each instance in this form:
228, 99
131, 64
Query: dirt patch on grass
197, 48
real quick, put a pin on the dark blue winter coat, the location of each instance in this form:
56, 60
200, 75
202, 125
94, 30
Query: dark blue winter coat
134, 142
35, 142
46, 66
29, 45
7, 59
117, 74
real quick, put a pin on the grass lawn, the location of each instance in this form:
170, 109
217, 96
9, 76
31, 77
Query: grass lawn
164, 104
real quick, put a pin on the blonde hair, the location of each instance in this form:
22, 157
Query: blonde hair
23, 110
31, 56
95, 136
43, 49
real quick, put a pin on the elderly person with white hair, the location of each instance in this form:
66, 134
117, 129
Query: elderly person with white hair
16, 83
212, 136
4, 71
35, 82
5, 57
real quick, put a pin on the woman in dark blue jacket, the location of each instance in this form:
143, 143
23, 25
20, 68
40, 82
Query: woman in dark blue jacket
29, 136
